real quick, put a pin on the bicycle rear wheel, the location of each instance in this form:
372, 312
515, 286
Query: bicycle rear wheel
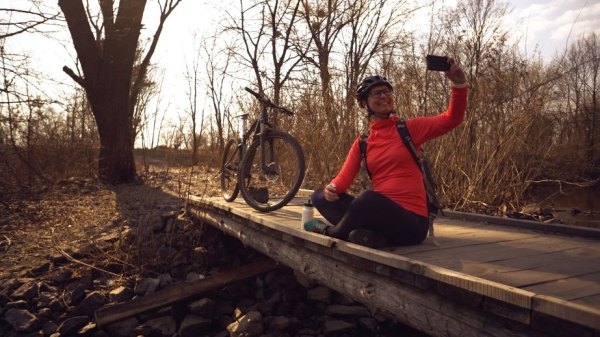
230, 162
272, 187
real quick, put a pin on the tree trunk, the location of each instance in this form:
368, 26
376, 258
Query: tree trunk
107, 69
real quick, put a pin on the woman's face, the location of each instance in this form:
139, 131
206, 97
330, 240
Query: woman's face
381, 99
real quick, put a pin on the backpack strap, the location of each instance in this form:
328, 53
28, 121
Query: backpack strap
432, 199
407, 140
366, 174
433, 205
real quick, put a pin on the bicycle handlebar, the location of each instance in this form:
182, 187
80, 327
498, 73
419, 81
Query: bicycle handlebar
267, 101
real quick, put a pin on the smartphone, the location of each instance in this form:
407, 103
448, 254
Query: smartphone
437, 63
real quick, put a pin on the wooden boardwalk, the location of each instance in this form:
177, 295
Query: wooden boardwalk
483, 279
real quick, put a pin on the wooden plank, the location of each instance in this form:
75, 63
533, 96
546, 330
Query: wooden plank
179, 292
424, 310
506, 249
506, 296
571, 312
455, 237
480, 248
528, 224
571, 288
543, 268
473, 284
590, 301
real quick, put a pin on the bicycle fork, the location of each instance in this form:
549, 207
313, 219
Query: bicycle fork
267, 153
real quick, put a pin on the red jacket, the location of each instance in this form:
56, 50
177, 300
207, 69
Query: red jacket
394, 172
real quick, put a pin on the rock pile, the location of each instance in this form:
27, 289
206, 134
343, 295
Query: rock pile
59, 298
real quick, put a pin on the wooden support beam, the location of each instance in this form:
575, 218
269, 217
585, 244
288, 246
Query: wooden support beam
180, 292
424, 310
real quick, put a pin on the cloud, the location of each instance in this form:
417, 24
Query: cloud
553, 24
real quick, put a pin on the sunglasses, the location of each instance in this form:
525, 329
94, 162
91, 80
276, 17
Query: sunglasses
381, 93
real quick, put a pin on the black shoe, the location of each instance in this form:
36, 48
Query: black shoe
366, 238
261, 195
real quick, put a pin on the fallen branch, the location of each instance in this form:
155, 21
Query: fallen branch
72, 259
179, 292
560, 182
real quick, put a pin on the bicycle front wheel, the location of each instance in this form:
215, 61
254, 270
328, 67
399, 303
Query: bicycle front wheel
270, 187
230, 162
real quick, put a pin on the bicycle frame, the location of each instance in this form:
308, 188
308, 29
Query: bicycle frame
259, 128
266, 183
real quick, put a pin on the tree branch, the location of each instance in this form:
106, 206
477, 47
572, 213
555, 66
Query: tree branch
74, 76
83, 39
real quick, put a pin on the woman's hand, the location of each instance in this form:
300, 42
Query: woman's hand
455, 74
329, 193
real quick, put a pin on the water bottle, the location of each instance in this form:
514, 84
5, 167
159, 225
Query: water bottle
308, 213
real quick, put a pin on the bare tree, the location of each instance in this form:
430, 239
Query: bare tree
267, 44
325, 21
27, 16
580, 126
192, 75
107, 62
217, 62
374, 28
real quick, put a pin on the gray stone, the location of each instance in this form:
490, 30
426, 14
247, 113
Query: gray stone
45, 312
75, 295
122, 328
72, 324
337, 326
39, 270
164, 280
87, 329
223, 333
21, 320
61, 275
91, 302
320, 294
45, 298
193, 277
342, 299
347, 310
20, 304
146, 286
120, 294
368, 324
279, 323
249, 325
193, 325
224, 307
27, 291
163, 326
49, 328
204, 307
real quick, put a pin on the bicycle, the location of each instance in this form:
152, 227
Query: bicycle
270, 170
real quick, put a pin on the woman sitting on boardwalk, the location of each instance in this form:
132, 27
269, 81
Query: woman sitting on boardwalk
395, 211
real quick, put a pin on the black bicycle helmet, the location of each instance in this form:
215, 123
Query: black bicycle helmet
369, 82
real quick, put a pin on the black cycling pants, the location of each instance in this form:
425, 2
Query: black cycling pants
373, 211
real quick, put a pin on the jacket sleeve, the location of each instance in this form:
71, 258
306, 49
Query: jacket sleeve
346, 176
423, 129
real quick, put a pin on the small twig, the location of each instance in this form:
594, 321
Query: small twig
72, 259
560, 182
8, 242
122, 262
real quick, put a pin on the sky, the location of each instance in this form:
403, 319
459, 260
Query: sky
544, 26
551, 25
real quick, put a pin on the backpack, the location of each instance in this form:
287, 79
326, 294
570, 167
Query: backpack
433, 205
